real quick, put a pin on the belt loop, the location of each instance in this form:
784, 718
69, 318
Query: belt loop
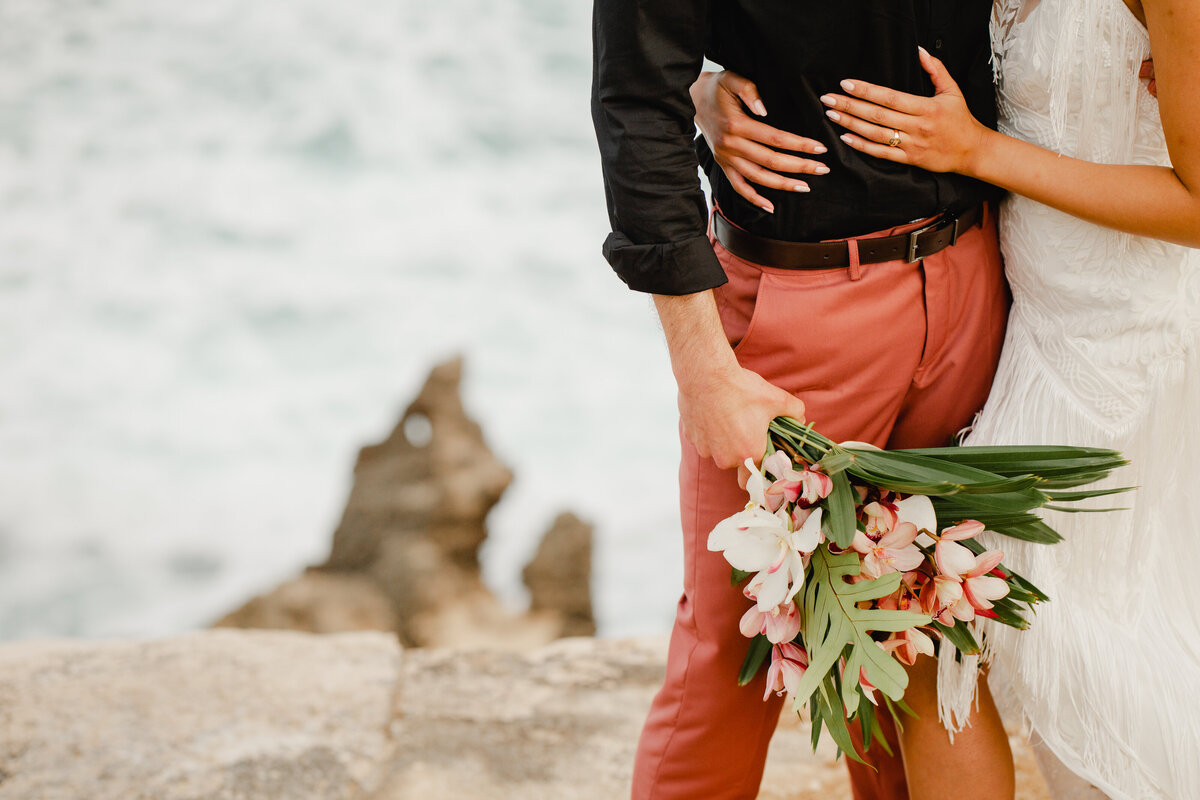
855, 266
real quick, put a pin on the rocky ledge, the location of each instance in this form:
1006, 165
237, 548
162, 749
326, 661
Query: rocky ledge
268, 715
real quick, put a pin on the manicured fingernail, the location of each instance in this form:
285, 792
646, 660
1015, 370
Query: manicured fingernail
820, 148
821, 170
847, 138
800, 187
833, 115
848, 86
828, 100
759, 108
924, 52
767, 207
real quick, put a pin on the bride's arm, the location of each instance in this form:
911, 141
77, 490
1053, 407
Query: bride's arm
939, 134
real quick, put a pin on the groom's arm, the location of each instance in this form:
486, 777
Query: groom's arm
646, 55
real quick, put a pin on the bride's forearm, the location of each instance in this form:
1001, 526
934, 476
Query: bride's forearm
1141, 199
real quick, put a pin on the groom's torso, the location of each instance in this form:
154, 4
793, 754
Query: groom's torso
797, 50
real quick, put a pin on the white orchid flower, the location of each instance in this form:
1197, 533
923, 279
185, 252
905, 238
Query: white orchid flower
756, 540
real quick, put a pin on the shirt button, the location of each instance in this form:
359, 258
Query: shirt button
937, 45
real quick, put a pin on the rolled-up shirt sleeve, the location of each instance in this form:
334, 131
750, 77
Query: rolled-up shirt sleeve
646, 55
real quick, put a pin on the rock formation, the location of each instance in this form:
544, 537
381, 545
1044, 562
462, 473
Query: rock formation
265, 715
405, 555
318, 602
562, 564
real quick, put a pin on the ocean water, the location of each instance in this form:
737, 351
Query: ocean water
234, 236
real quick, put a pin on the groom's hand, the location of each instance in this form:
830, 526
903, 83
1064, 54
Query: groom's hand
725, 414
725, 409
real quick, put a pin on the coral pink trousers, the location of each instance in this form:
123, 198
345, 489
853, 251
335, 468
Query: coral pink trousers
900, 355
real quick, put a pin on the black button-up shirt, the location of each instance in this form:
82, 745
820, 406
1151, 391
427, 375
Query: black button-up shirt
647, 53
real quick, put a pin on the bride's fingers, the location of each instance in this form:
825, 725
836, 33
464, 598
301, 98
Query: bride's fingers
781, 140
865, 130
840, 107
743, 188
765, 177
873, 148
942, 82
883, 96
745, 89
780, 162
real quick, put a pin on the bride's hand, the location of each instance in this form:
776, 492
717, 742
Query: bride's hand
1147, 74
742, 146
935, 133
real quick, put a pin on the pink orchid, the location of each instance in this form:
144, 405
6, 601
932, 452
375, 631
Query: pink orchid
907, 645
980, 588
868, 689
780, 624
807, 486
910, 590
939, 596
788, 663
963, 530
957, 563
893, 552
882, 516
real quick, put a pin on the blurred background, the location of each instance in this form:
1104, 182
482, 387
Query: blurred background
235, 236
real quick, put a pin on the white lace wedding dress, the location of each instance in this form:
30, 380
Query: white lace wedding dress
1103, 349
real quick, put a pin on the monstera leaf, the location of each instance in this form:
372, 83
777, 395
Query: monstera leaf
833, 624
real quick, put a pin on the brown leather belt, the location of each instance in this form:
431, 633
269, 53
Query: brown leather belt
940, 233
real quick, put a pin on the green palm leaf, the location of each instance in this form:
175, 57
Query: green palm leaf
833, 623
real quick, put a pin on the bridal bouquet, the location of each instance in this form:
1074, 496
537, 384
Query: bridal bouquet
856, 559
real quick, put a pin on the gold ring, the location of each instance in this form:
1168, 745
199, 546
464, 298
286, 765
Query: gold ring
895, 140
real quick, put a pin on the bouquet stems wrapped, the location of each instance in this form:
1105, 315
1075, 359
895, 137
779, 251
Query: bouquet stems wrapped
857, 560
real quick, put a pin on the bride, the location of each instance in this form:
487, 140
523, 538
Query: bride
1103, 349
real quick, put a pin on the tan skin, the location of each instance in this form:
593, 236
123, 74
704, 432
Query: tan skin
940, 135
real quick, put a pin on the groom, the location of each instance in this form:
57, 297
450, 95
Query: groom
870, 299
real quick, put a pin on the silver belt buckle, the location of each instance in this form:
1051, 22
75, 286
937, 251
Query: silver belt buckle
911, 256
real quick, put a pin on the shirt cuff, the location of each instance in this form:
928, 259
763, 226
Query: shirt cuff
673, 268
